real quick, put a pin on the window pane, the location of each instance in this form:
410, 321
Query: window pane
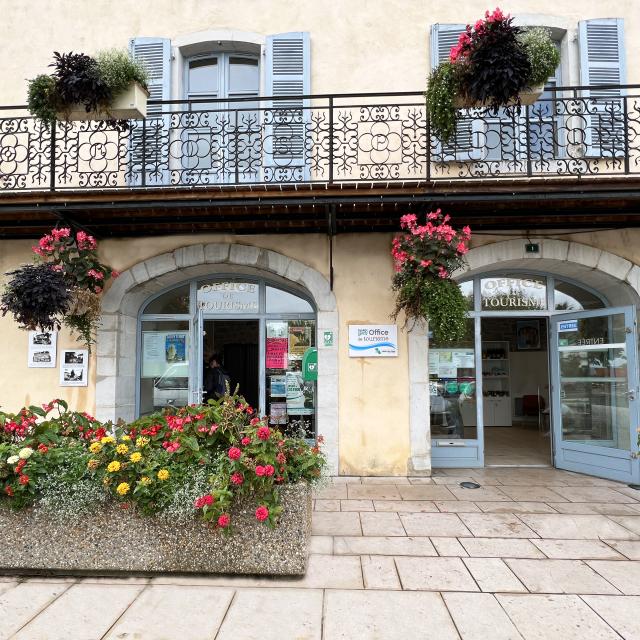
514, 293
243, 75
452, 388
164, 371
203, 76
279, 301
175, 301
467, 292
290, 383
569, 297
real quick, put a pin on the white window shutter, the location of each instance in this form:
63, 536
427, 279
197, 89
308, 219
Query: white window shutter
151, 141
288, 75
461, 146
602, 61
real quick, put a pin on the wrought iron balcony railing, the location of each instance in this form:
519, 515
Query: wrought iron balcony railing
329, 139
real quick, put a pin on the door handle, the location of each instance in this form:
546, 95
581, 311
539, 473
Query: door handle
631, 394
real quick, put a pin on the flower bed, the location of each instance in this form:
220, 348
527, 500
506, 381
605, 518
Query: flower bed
209, 488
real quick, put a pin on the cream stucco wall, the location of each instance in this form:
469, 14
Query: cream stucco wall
377, 45
373, 396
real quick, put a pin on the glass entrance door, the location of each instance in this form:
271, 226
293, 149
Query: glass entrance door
595, 388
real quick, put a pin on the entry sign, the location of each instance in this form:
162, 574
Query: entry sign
373, 340
310, 364
568, 325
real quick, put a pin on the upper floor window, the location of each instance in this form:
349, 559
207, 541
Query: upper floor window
222, 75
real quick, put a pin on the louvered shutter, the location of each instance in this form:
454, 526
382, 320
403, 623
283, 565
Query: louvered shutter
288, 75
461, 146
602, 61
150, 139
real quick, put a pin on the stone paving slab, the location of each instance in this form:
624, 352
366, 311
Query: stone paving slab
391, 559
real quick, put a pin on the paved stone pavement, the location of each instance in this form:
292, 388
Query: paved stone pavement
534, 554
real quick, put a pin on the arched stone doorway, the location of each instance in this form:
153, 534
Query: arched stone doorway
117, 346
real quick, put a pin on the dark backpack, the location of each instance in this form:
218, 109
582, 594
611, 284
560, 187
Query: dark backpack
223, 383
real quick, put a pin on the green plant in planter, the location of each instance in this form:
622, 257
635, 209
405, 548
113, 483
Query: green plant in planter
543, 54
43, 99
425, 257
118, 70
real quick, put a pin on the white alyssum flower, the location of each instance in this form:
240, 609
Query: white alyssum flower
25, 453
12, 459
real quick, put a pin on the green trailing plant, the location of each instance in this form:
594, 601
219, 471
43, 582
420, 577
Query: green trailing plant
444, 84
42, 98
543, 54
36, 296
425, 257
119, 69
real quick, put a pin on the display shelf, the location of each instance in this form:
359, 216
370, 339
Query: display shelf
496, 401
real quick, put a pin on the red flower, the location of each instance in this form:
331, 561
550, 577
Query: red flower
245, 441
254, 421
279, 479
115, 274
234, 453
262, 513
20, 466
42, 448
23, 479
281, 458
260, 470
224, 520
269, 470
237, 478
263, 433
8, 491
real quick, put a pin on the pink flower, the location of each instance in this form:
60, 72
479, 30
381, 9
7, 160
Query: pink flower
462, 248
443, 273
263, 433
281, 458
57, 267
237, 478
58, 234
426, 263
466, 231
260, 470
85, 241
262, 513
245, 441
269, 470
208, 499
224, 520
96, 275
254, 421
115, 274
98, 289
234, 453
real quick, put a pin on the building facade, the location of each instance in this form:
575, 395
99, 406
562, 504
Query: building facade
252, 213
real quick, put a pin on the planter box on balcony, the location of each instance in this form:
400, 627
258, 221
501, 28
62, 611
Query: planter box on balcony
130, 104
113, 540
527, 97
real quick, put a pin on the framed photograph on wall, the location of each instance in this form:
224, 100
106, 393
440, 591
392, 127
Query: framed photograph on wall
528, 335
74, 367
42, 349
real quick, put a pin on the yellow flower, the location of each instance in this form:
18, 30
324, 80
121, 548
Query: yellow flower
163, 474
107, 440
141, 441
122, 449
123, 488
125, 438
135, 457
145, 480
95, 447
113, 466
93, 463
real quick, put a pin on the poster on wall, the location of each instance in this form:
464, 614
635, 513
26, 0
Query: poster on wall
299, 341
74, 367
175, 346
528, 335
278, 413
276, 353
278, 387
160, 349
299, 395
42, 349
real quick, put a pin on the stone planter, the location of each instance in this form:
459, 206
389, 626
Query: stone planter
130, 104
527, 97
112, 540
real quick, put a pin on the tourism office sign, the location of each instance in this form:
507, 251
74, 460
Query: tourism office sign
373, 340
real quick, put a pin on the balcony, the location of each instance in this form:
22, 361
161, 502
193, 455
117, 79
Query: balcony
372, 147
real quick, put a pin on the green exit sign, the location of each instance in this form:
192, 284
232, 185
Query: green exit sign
532, 247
